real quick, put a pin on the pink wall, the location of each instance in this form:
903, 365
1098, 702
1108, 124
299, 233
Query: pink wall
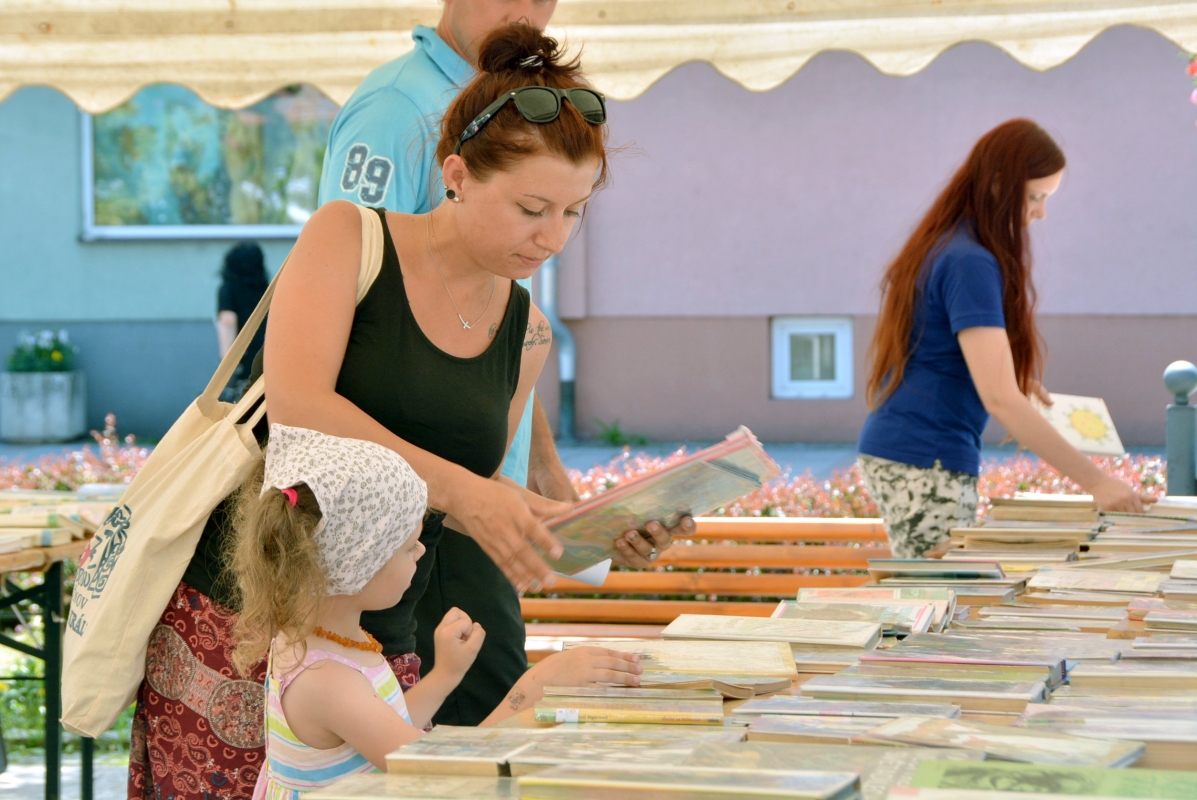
791, 201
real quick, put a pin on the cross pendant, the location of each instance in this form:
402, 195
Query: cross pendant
464, 324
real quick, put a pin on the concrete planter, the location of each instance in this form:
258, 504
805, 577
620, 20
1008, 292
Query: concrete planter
42, 406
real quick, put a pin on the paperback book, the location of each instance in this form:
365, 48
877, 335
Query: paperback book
630, 709
708, 659
772, 629
806, 707
880, 768
377, 786
796, 729
999, 696
1044, 779
1010, 744
710, 783
704, 482
895, 617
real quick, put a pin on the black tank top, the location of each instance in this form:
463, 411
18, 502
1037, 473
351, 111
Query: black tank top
455, 408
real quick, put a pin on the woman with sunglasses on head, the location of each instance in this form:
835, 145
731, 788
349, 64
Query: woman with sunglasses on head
438, 360
956, 341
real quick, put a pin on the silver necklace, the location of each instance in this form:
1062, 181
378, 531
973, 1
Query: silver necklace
436, 265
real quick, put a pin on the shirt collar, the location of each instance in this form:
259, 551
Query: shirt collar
456, 68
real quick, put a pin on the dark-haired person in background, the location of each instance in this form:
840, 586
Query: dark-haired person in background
243, 280
956, 341
382, 153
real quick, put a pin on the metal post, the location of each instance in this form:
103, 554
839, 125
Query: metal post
87, 776
52, 650
566, 350
1180, 378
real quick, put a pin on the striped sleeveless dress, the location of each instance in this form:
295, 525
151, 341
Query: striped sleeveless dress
292, 767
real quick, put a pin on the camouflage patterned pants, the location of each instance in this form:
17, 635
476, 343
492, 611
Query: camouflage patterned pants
919, 506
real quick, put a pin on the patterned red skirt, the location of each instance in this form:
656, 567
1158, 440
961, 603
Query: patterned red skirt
198, 727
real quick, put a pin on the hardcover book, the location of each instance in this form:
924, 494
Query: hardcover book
646, 744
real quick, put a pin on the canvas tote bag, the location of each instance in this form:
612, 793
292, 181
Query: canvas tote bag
135, 561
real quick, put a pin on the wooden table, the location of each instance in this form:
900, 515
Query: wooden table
48, 595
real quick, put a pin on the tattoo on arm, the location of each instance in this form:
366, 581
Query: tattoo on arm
490, 334
541, 335
516, 699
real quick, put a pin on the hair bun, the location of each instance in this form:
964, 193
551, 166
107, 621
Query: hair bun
519, 47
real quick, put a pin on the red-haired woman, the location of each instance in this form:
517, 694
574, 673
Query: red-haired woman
956, 341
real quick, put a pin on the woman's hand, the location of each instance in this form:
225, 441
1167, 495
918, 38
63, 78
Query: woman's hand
636, 548
457, 641
506, 521
1111, 494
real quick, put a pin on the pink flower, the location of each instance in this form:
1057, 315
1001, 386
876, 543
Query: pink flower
1193, 96
1192, 66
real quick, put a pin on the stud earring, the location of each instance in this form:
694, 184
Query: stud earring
452, 195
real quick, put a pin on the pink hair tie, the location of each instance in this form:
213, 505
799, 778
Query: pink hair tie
291, 495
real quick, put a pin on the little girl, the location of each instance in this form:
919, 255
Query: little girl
329, 528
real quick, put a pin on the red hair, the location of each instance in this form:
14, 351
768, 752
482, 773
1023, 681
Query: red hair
990, 191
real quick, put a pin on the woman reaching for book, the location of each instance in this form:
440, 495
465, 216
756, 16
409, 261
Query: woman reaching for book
956, 341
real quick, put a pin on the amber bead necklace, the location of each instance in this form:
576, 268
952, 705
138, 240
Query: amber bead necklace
371, 644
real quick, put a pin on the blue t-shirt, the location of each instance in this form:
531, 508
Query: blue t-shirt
935, 412
382, 152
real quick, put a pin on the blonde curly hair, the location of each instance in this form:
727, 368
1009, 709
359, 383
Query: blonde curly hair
275, 559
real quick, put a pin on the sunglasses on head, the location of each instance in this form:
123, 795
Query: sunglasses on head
540, 104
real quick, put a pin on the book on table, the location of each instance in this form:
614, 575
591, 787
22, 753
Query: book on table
880, 767
1165, 676
603, 782
1042, 780
699, 484
701, 659
773, 629
979, 695
1167, 620
942, 598
381, 786
880, 568
1169, 734
807, 707
641, 708
894, 617
1185, 570
632, 744
824, 730
1095, 580
1166, 641
1009, 744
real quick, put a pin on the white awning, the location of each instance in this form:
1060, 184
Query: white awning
234, 52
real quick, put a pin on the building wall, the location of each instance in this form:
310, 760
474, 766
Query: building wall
698, 378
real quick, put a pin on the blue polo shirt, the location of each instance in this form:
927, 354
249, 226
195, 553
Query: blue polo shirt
382, 152
935, 412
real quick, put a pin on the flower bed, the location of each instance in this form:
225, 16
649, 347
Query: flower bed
844, 493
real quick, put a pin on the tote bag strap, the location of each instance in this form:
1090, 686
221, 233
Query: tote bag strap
371, 265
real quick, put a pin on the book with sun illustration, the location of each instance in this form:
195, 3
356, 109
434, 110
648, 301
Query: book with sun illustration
1084, 422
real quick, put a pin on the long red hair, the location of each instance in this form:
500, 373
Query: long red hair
990, 191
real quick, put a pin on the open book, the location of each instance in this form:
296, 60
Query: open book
699, 484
